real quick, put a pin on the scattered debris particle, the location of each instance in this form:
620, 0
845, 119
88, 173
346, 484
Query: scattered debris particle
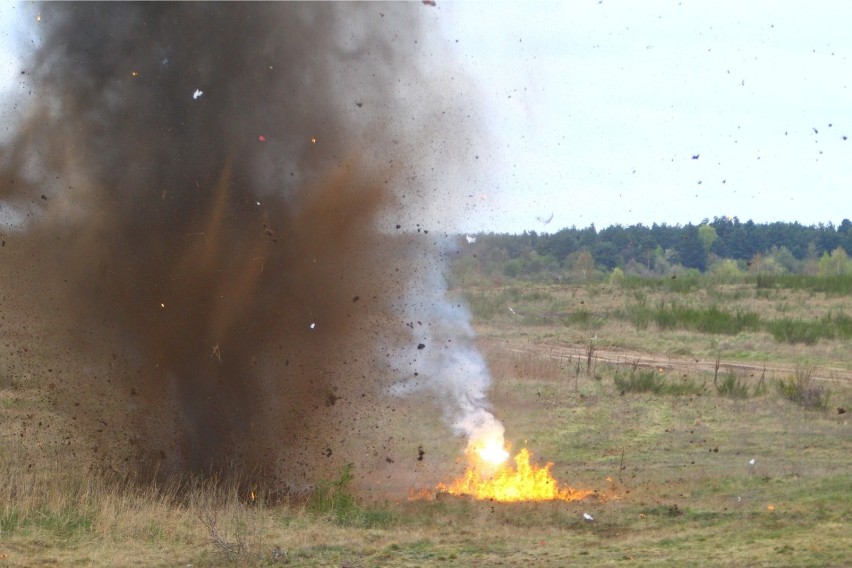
588, 517
197, 94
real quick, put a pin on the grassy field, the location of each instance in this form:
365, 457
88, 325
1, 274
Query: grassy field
711, 440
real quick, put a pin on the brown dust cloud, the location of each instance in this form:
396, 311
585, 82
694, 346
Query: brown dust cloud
212, 216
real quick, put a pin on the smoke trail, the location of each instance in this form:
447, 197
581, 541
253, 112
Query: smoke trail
445, 361
203, 197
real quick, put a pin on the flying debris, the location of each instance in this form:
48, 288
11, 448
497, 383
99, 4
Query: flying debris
513, 311
202, 294
588, 517
751, 461
695, 156
545, 221
470, 240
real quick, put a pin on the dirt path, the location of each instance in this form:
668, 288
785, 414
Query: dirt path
627, 357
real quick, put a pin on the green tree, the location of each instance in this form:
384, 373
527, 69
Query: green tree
581, 263
513, 268
707, 235
835, 264
690, 249
784, 258
726, 270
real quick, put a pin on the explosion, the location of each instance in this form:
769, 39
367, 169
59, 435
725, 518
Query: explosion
215, 210
492, 452
221, 213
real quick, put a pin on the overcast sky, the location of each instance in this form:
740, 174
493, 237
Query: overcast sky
595, 110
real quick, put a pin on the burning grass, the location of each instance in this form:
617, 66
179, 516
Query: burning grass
507, 484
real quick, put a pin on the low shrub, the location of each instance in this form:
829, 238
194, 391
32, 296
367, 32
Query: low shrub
652, 381
641, 381
731, 386
829, 326
331, 498
802, 389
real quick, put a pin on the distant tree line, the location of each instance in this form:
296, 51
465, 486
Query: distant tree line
722, 246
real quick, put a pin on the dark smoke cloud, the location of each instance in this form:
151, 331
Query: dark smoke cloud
210, 195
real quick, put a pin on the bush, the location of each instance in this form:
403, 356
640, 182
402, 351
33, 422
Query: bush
331, 498
485, 306
706, 320
834, 285
579, 317
642, 381
651, 381
731, 386
786, 330
802, 389
830, 326
639, 315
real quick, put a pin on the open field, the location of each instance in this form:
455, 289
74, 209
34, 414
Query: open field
697, 442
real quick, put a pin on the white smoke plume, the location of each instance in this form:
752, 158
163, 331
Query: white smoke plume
443, 359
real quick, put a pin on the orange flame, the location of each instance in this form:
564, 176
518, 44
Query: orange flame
525, 482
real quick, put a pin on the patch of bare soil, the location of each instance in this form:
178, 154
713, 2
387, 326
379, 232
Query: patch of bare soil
632, 358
